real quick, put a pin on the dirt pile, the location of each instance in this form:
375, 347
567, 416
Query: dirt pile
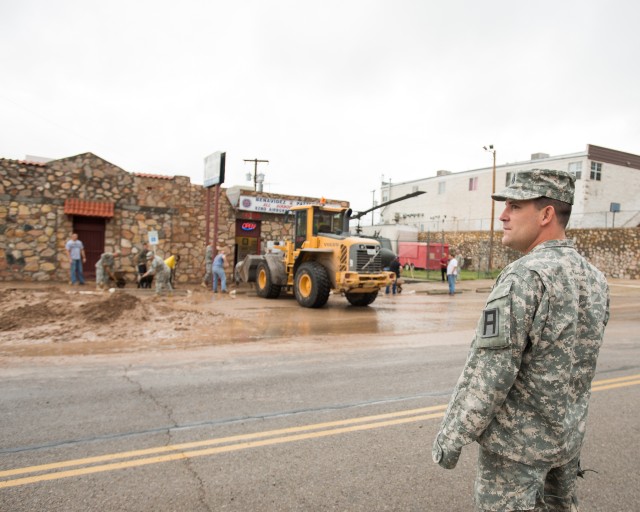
65, 321
110, 309
29, 315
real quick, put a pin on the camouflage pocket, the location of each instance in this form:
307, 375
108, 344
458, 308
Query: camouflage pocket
493, 328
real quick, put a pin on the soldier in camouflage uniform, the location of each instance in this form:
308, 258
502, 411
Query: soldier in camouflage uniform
105, 269
524, 392
158, 268
208, 261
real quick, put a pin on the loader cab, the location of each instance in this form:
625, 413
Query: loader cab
327, 222
318, 221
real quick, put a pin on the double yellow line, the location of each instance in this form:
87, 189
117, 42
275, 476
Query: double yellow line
620, 382
136, 458
213, 446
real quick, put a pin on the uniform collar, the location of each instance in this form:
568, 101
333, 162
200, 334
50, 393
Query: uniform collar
566, 242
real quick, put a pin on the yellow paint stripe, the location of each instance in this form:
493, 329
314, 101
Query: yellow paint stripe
216, 450
617, 385
221, 440
617, 379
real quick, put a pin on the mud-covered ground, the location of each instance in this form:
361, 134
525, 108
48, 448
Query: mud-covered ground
64, 320
60, 320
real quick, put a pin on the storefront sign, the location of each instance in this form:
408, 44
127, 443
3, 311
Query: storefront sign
248, 226
214, 166
268, 204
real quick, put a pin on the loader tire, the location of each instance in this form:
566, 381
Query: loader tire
264, 282
311, 285
361, 299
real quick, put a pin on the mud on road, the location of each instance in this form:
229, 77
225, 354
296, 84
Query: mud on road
61, 320
39, 320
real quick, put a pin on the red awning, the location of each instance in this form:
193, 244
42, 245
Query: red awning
88, 208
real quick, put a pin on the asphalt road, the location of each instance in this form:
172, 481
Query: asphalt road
336, 411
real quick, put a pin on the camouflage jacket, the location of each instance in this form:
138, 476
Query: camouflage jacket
106, 261
158, 267
525, 388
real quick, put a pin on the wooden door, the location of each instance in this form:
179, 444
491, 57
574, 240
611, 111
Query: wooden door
91, 232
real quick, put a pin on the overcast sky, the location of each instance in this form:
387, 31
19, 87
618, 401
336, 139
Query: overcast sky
334, 93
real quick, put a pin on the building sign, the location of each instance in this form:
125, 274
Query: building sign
214, 166
248, 226
153, 237
268, 204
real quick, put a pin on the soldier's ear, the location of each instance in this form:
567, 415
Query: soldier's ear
548, 213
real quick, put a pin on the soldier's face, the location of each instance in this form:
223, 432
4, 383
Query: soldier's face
521, 225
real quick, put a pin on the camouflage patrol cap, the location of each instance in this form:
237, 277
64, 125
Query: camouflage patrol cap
539, 183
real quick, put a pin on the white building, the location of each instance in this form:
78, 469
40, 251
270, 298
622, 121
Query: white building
607, 193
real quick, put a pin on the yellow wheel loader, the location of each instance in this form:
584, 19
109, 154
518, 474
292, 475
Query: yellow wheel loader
322, 257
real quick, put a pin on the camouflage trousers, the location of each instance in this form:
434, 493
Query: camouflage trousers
503, 485
102, 278
207, 276
163, 280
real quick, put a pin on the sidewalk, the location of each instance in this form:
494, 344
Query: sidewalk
437, 287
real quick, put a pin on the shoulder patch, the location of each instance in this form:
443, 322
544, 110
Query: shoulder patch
493, 329
490, 325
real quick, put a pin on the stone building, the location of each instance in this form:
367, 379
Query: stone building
41, 204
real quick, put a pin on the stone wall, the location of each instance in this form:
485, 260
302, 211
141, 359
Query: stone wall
34, 227
614, 251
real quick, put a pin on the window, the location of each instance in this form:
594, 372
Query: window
442, 187
509, 178
473, 183
326, 222
301, 228
596, 171
575, 168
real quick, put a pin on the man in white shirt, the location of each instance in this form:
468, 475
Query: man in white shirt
75, 250
452, 273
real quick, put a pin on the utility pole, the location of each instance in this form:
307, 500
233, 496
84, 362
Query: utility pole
373, 205
493, 205
255, 171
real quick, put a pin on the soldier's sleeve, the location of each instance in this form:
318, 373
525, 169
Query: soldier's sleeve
491, 367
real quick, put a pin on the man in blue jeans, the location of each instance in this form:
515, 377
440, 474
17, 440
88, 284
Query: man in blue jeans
219, 263
452, 273
75, 250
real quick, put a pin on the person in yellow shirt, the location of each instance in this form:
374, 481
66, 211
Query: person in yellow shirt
172, 262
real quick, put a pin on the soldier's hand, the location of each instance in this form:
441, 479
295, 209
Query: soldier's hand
445, 455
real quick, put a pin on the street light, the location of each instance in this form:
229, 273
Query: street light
493, 191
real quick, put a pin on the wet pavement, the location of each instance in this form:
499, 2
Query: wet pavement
56, 319
200, 402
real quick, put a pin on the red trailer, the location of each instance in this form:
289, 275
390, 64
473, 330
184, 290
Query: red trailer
422, 255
